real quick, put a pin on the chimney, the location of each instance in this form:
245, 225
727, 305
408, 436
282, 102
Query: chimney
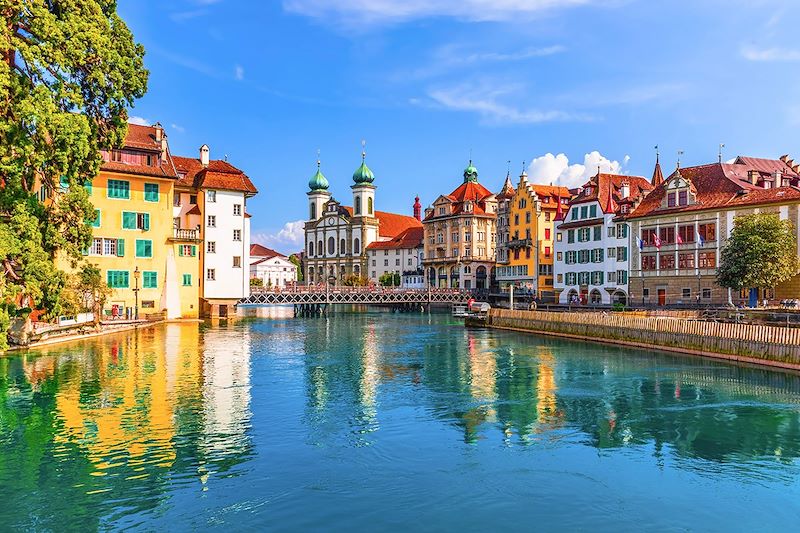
625, 190
161, 138
204, 155
752, 176
417, 209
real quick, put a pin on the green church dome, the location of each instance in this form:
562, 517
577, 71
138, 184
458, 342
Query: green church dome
470, 173
318, 182
363, 174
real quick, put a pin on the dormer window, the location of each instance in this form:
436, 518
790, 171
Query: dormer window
588, 191
683, 197
678, 193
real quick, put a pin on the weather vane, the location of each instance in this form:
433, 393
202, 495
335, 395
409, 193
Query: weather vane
363, 149
721, 146
680, 153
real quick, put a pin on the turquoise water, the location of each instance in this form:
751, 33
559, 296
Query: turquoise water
386, 422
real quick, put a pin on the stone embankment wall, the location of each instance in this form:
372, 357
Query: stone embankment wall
769, 345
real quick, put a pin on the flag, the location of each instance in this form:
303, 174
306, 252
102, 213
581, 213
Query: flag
657, 241
678, 239
640, 242
700, 240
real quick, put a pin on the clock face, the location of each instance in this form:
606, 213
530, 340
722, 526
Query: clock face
331, 222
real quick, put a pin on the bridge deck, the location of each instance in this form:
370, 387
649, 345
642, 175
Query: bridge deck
364, 296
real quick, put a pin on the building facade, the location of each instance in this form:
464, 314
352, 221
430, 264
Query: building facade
400, 255
532, 212
460, 236
682, 226
272, 268
593, 241
337, 236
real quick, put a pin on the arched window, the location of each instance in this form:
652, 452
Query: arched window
310, 248
342, 247
356, 270
331, 246
311, 274
319, 248
369, 205
313, 212
357, 205
357, 247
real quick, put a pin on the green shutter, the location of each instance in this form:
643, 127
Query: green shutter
128, 220
187, 280
88, 186
150, 280
96, 221
180, 250
120, 247
146, 222
63, 183
194, 251
151, 192
144, 248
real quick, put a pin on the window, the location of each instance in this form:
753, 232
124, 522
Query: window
598, 232
212, 221
622, 231
558, 237
560, 278
683, 197
131, 220
707, 259
648, 262
356, 247
386, 262
211, 196
176, 199
211, 274
454, 237
707, 232
547, 251
584, 235
666, 261
667, 235
547, 216
648, 236
645, 293
342, 247
369, 205
151, 192
622, 277
187, 250
686, 260
187, 280
331, 246
96, 221
571, 236
685, 234
527, 217
597, 278
592, 211
583, 256
612, 277
686, 293
119, 189
237, 261
149, 280
211, 247
117, 279
237, 235
192, 199
571, 257
547, 233
706, 294
671, 199
313, 211
110, 247
611, 231
571, 278
597, 255
574, 213
397, 262
612, 253
622, 253
583, 278
144, 248
237, 210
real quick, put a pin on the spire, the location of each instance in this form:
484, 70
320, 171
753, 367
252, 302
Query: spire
610, 206
363, 175
658, 176
417, 209
508, 188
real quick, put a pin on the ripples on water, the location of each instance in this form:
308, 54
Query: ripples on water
384, 422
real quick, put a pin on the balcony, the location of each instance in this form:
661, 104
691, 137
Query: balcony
180, 234
520, 243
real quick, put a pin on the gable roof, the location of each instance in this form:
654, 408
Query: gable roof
720, 185
217, 175
410, 238
606, 189
257, 250
469, 191
142, 139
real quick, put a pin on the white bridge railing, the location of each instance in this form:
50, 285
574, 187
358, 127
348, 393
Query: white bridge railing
353, 295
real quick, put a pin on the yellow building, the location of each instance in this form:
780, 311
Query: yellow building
149, 265
532, 211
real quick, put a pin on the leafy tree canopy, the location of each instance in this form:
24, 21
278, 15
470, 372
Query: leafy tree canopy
69, 69
761, 252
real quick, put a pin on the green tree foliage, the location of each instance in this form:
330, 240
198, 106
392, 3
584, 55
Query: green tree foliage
354, 280
389, 279
256, 282
68, 72
761, 252
296, 262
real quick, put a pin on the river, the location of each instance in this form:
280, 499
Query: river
382, 422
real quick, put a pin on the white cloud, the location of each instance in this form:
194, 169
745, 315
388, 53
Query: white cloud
456, 56
179, 129
139, 121
772, 54
556, 169
289, 239
485, 101
360, 12
239, 72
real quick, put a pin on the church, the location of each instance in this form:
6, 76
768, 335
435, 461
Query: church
337, 236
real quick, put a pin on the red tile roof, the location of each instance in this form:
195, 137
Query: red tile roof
257, 250
507, 191
217, 175
721, 185
143, 139
391, 224
469, 191
410, 238
600, 188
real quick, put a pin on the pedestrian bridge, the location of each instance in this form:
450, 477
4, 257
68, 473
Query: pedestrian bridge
353, 295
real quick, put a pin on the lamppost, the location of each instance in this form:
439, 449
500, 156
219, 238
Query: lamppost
136, 275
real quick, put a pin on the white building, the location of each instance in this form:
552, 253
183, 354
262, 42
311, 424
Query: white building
220, 193
337, 236
271, 267
401, 255
593, 242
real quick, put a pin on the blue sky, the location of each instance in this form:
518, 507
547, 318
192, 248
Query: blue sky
563, 85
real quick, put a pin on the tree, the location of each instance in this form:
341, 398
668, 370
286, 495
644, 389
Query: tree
256, 282
68, 73
354, 280
389, 279
760, 253
296, 262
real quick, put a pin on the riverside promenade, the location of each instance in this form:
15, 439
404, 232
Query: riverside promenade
755, 344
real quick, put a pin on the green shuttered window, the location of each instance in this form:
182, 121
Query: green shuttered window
151, 192
144, 248
149, 280
117, 279
187, 280
133, 220
119, 189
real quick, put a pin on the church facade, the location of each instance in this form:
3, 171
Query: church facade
337, 236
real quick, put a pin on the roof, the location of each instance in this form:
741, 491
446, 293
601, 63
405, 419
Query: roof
658, 176
606, 189
391, 224
217, 175
551, 191
143, 139
469, 191
507, 191
722, 185
263, 259
410, 238
257, 250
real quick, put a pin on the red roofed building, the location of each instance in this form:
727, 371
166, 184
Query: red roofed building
680, 228
460, 236
337, 236
592, 241
401, 255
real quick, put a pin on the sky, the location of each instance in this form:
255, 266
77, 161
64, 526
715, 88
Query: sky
555, 86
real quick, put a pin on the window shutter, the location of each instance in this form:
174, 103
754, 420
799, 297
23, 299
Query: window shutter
128, 220
180, 250
194, 251
120, 247
146, 222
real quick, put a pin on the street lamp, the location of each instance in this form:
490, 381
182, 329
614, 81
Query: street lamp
136, 275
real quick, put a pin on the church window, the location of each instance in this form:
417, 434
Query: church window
369, 205
313, 211
331, 246
319, 248
342, 247
358, 205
